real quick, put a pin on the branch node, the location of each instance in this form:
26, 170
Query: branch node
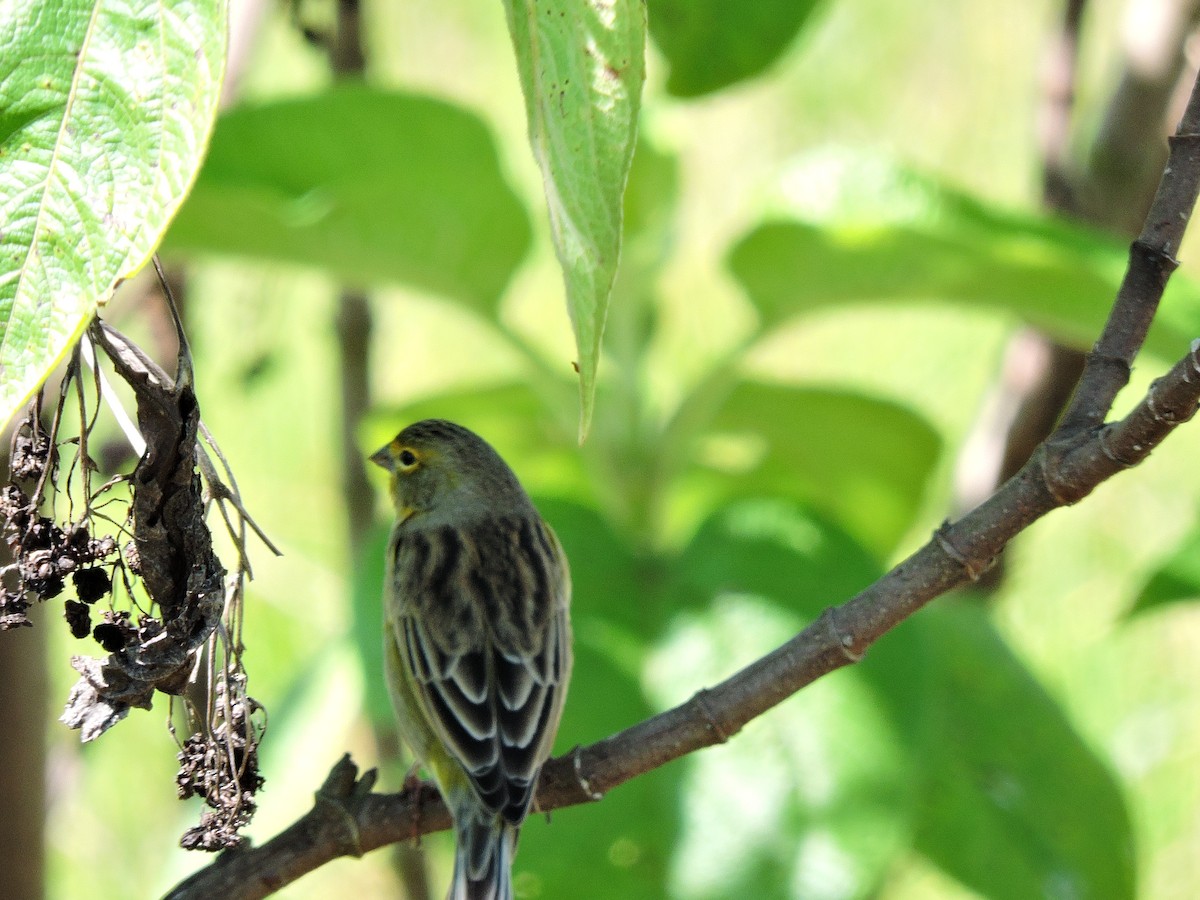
1096, 357
577, 764
710, 721
1167, 416
1113, 454
1194, 358
1157, 256
342, 785
843, 638
973, 569
1150, 406
1060, 493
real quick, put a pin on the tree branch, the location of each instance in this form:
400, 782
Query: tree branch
349, 820
1151, 262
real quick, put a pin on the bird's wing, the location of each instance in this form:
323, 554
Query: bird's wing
484, 630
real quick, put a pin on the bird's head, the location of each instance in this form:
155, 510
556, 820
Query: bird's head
443, 473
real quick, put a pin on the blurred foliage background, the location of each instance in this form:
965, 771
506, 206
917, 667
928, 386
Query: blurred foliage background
834, 229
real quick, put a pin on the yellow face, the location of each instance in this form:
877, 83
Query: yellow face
441, 468
418, 476
398, 457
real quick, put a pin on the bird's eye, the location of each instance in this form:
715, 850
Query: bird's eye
407, 459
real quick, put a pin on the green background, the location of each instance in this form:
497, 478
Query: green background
823, 263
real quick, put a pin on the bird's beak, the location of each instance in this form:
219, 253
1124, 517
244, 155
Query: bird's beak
382, 457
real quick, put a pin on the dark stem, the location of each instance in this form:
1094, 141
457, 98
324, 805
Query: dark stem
1151, 262
1129, 152
354, 326
346, 54
1058, 103
1113, 191
1039, 374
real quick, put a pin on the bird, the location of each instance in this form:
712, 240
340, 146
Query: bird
477, 638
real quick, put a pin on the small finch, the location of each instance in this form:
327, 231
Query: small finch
477, 641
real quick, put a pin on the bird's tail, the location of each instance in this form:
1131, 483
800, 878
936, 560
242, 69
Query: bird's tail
483, 858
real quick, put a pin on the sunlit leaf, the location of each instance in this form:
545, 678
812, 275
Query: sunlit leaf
105, 110
1005, 794
778, 549
805, 563
862, 460
711, 44
1015, 804
815, 798
371, 185
854, 228
581, 67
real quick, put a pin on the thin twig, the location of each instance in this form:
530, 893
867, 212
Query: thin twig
1151, 262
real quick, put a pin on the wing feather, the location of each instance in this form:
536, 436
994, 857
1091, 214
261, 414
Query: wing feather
486, 635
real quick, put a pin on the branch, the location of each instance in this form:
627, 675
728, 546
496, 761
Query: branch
1151, 262
349, 820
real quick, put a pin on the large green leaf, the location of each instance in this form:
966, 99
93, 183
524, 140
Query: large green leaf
1016, 805
371, 185
815, 798
863, 229
581, 67
711, 44
862, 460
773, 548
105, 110
1001, 791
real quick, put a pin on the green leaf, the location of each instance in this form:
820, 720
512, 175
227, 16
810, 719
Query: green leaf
581, 67
863, 229
817, 794
814, 799
1016, 805
861, 460
711, 44
105, 110
371, 185
1177, 580
778, 549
